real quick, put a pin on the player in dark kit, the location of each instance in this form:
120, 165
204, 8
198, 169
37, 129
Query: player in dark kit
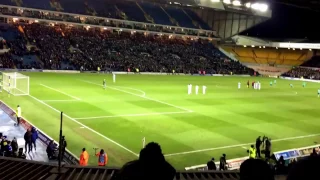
248, 84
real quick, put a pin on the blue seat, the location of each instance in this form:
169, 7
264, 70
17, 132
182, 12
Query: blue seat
158, 15
132, 11
43, 4
196, 18
103, 8
73, 6
180, 17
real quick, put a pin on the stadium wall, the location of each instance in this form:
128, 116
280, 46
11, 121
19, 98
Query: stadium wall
68, 157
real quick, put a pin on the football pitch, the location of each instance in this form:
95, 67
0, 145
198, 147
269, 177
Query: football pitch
190, 128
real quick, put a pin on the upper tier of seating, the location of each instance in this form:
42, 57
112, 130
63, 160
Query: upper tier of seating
142, 11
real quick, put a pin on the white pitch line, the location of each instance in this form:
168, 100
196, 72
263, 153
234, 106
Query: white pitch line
60, 92
70, 100
140, 96
82, 125
143, 93
239, 145
132, 115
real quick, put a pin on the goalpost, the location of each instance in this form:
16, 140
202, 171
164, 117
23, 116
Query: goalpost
15, 83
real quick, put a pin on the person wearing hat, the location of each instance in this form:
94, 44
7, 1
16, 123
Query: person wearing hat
84, 157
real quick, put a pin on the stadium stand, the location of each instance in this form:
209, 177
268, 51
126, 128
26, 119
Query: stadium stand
270, 56
133, 11
121, 51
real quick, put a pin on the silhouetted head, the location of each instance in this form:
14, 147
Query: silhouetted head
255, 169
101, 151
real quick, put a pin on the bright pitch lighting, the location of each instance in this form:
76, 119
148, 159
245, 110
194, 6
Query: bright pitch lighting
215, 0
236, 3
248, 5
260, 7
227, 1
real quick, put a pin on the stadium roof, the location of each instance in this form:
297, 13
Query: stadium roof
284, 43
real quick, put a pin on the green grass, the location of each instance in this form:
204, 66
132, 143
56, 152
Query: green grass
225, 116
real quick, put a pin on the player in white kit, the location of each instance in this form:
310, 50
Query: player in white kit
239, 85
259, 85
204, 88
197, 89
114, 77
189, 88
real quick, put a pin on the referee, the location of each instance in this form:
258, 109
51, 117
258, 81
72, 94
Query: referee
18, 115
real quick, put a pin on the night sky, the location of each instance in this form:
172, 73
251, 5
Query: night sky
289, 22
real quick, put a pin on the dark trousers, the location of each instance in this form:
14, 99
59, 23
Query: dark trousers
34, 145
258, 152
18, 121
28, 145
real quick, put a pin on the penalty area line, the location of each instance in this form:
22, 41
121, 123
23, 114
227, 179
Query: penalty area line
151, 99
239, 145
84, 126
61, 92
133, 115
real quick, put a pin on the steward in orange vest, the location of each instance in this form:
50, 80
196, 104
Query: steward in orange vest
84, 157
102, 158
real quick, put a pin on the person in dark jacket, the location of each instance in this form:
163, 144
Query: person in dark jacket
223, 163
258, 144
28, 141
211, 165
34, 137
51, 148
15, 146
150, 165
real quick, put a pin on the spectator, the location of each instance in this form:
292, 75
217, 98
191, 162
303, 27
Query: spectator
255, 169
15, 146
305, 169
28, 141
51, 150
223, 163
281, 168
34, 137
150, 165
211, 165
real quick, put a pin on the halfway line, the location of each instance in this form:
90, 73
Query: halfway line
140, 96
239, 145
114, 142
132, 115
60, 92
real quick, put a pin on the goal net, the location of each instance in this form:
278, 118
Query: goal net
15, 83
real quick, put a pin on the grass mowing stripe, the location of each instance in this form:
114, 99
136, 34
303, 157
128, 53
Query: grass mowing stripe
240, 145
132, 115
85, 126
178, 107
59, 100
60, 92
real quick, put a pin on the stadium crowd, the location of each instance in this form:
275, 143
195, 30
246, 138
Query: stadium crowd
306, 73
74, 48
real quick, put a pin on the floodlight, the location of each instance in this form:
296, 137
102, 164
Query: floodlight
227, 1
236, 3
